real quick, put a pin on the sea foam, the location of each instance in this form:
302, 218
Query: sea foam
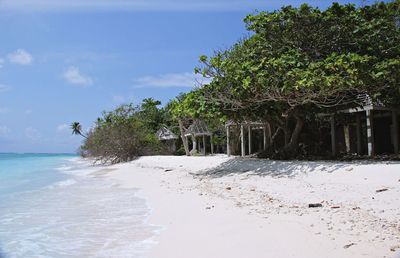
76, 215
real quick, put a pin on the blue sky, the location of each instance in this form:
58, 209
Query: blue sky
68, 60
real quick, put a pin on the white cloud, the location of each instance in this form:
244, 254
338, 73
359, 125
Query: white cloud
4, 131
20, 56
4, 88
73, 75
32, 133
170, 80
62, 128
135, 5
1, 62
28, 111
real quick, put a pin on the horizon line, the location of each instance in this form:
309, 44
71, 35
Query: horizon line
42, 153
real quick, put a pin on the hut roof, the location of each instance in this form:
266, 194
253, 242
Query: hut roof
364, 102
244, 122
164, 134
198, 128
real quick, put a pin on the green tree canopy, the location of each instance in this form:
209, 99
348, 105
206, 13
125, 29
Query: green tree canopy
301, 61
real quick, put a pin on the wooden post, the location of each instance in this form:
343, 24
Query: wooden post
395, 126
358, 129
211, 144
249, 134
173, 146
346, 131
204, 145
194, 140
265, 137
370, 133
242, 141
228, 140
333, 135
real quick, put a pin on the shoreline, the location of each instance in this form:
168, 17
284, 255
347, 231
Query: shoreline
217, 206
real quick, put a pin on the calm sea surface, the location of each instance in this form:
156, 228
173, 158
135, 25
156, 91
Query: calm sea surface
52, 206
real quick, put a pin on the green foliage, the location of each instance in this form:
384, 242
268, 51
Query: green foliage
152, 116
301, 61
296, 63
76, 128
301, 56
126, 133
193, 105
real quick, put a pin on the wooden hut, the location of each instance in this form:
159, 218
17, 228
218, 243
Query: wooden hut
370, 129
246, 127
374, 131
199, 129
168, 138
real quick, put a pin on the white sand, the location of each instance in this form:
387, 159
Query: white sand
216, 207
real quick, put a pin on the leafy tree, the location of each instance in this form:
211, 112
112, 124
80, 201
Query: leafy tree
124, 133
187, 107
301, 61
150, 114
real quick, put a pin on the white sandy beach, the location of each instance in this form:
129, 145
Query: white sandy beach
218, 207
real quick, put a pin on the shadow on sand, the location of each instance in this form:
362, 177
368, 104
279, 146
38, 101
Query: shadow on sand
276, 168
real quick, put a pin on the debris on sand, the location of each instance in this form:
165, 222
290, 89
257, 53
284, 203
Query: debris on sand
314, 205
347, 246
381, 190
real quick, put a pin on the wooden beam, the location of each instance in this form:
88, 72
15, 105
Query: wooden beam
370, 133
395, 126
249, 134
358, 129
242, 141
333, 135
228, 141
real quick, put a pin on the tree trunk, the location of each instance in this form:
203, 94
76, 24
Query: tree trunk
267, 135
276, 134
194, 145
184, 139
286, 131
294, 140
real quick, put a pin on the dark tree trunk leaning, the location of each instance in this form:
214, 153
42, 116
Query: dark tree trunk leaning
184, 139
294, 139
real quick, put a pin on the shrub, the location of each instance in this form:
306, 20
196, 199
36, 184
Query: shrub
119, 136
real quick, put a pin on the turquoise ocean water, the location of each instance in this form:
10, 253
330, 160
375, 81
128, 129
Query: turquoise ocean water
57, 205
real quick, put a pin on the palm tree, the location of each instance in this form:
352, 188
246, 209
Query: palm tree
77, 129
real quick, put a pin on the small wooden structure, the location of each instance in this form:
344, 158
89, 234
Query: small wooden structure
249, 126
168, 137
369, 112
374, 130
196, 130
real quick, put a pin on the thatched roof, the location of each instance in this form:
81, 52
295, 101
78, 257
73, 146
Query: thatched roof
164, 134
244, 122
198, 128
